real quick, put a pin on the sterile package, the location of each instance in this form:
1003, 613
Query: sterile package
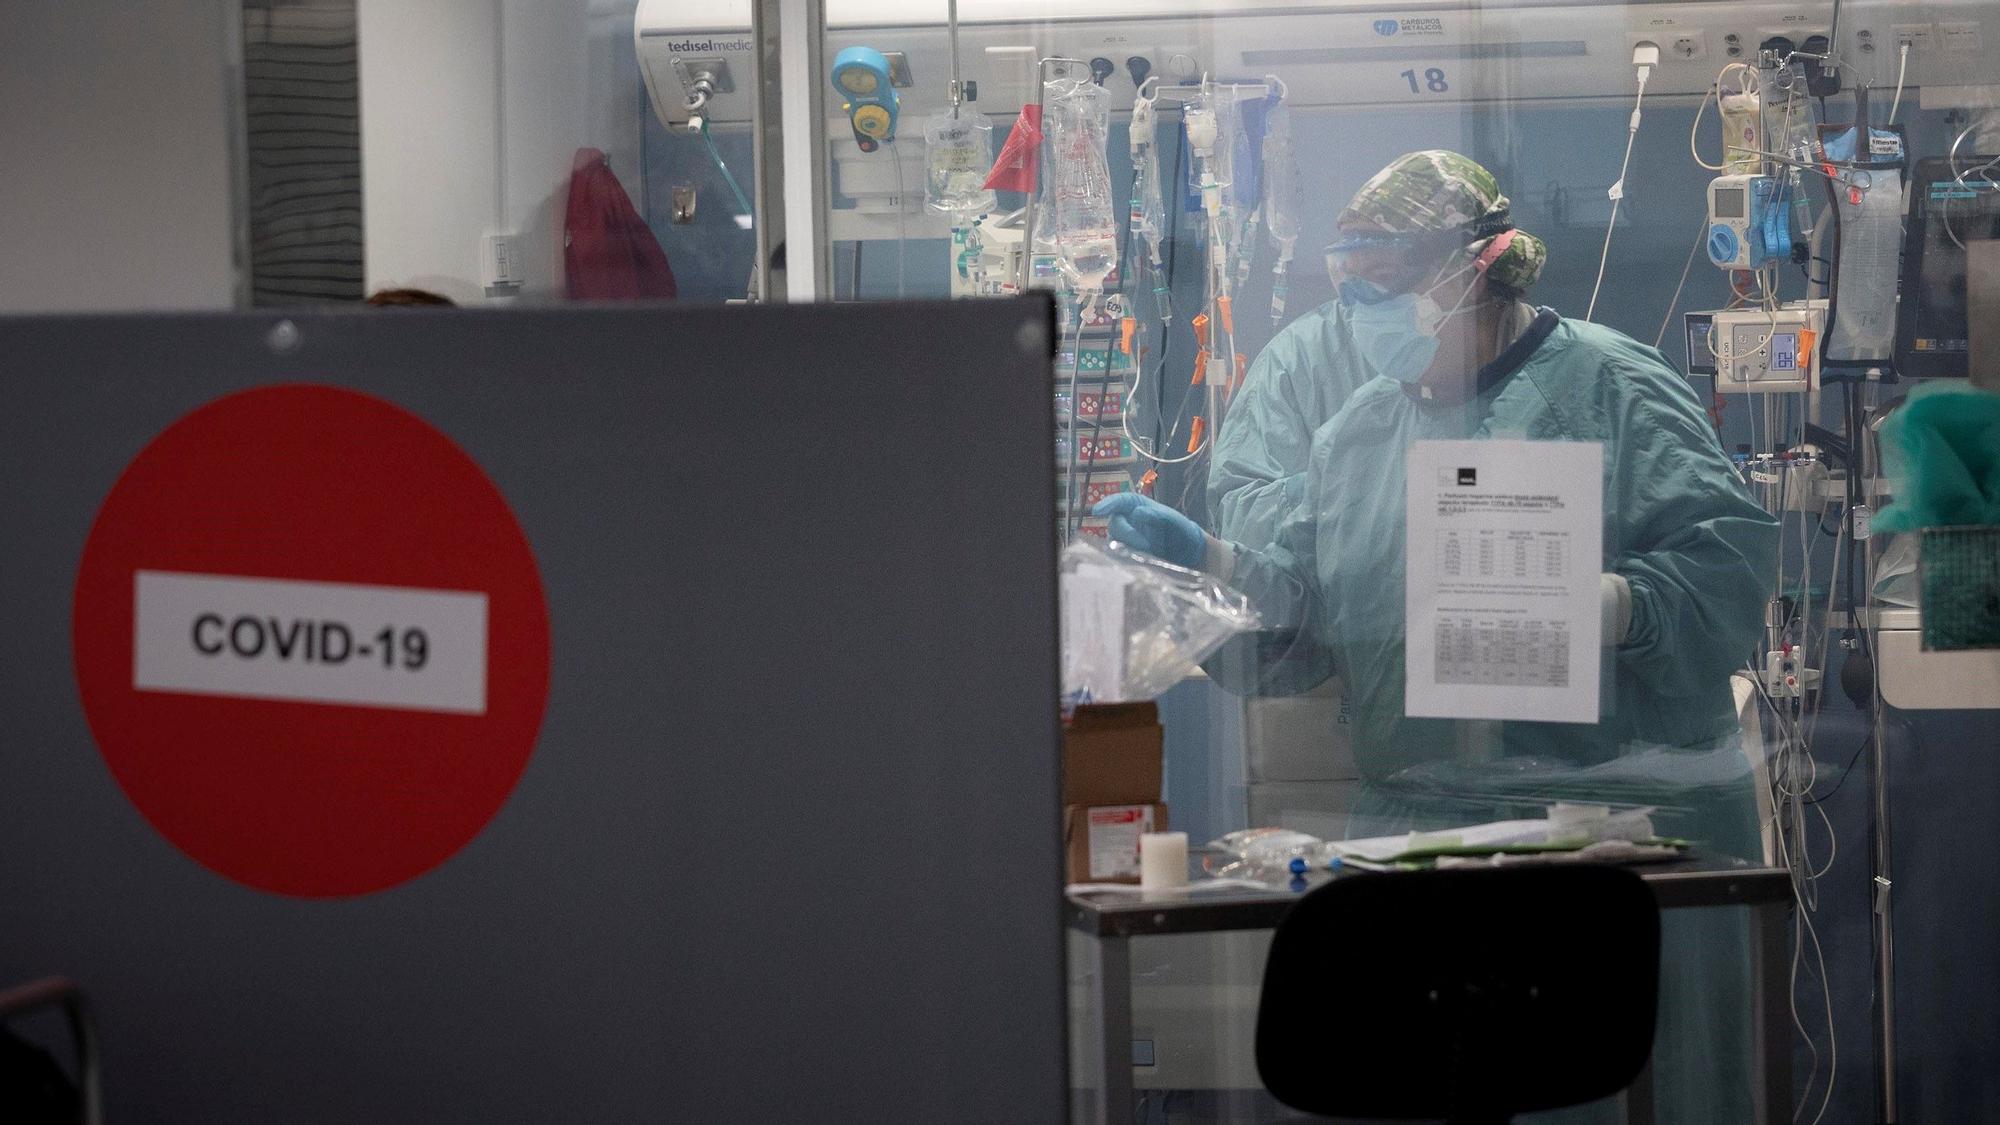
1271, 854
1134, 626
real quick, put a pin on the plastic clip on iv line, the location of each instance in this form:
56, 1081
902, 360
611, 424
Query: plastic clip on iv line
1195, 433
1147, 482
1142, 128
1217, 373
1125, 329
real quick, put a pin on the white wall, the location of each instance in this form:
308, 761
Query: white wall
115, 168
471, 113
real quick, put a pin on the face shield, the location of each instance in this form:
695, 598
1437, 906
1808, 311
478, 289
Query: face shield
1369, 267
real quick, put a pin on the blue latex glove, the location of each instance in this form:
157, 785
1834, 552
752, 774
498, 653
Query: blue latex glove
1145, 524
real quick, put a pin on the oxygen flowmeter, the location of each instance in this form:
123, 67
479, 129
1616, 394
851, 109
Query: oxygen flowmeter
861, 74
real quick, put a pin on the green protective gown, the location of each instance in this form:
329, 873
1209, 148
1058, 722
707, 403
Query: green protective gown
1678, 525
1300, 380
1258, 476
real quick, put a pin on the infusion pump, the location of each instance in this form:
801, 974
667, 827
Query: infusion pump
1341, 53
1759, 351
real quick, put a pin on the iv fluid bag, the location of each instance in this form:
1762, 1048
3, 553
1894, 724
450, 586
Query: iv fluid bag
1147, 219
1243, 125
958, 152
1871, 246
1281, 179
1742, 133
1082, 223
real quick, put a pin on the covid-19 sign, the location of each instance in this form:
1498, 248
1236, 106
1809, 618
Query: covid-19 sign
311, 641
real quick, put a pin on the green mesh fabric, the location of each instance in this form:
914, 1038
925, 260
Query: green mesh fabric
1959, 568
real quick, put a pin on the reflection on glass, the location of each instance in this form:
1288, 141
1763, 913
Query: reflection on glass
1515, 207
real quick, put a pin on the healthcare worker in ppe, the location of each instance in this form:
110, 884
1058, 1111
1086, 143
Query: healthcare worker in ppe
1308, 484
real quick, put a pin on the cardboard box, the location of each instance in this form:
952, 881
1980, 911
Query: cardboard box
1102, 841
1113, 754
1299, 737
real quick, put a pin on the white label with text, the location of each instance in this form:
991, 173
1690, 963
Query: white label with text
315, 642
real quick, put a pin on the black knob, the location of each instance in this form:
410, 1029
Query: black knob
1138, 66
1102, 68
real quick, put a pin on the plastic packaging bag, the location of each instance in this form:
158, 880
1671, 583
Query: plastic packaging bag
1134, 626
1272, 854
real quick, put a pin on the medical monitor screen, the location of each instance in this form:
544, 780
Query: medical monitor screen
1952, 205
1728, 203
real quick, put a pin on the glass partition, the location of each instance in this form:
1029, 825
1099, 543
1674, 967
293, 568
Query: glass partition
1514, 359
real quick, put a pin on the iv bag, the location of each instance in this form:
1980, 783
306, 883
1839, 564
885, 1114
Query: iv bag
1082, 224
1146, 218
958, 151
1281, 180
1742, 133
1870, 247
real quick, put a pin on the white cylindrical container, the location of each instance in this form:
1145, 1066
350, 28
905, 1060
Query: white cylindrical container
1163, 861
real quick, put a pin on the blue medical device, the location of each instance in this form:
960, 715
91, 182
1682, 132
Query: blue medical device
861, 74
1749, 222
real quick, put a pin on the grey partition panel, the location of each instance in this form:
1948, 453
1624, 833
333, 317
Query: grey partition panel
787, 847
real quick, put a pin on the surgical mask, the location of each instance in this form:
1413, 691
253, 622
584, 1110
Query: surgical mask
1398, 336
1390, 339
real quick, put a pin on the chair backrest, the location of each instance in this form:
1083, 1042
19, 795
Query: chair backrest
1465, 994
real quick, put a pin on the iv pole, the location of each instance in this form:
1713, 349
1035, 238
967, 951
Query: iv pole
1882, 880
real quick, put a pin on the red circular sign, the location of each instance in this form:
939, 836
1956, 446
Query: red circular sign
311, 641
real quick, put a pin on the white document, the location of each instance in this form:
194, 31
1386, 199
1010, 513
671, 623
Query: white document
309, 642
1505, 543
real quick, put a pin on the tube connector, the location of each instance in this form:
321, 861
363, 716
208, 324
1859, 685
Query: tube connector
698, 97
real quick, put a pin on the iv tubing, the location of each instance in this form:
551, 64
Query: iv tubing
1618, 190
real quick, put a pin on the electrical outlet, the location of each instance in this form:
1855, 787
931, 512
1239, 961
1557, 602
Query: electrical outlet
1920, 36
1676, 44
500, 263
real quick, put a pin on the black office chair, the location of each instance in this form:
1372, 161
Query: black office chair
1467, 995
